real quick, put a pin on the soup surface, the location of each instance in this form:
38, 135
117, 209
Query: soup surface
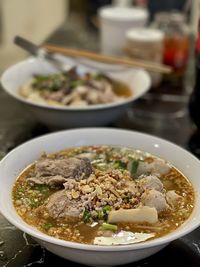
103, 195
72, 89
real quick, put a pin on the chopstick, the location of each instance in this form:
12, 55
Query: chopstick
150, 66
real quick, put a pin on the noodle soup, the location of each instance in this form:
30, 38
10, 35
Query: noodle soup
70, 89
103, 195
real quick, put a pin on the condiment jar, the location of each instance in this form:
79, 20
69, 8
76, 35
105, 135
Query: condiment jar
176, 41
147, 44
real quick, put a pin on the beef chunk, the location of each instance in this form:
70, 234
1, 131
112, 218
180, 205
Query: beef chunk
57, 171
52, 181
60, 206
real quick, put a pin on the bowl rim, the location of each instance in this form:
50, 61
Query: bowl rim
71, 108
164, 240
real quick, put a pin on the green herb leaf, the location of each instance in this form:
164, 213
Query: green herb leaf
98, 76
76, 83
53, 82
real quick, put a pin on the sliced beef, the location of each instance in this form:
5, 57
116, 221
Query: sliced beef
60, 206
52, 181
57, 171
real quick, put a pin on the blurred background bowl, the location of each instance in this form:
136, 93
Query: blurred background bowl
65, 117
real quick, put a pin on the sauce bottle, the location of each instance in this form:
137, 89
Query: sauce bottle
176, 42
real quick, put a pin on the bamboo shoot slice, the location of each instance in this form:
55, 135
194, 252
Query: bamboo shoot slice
138, 215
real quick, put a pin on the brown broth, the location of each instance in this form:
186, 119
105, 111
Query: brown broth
121, 89
35, 213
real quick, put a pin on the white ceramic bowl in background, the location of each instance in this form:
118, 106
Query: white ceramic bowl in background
95, 255
65, 117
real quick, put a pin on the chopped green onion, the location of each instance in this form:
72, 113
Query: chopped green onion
106, 209
21, 189
47, 226
43, 189
34, 202
120, 165
76, 83
134, 166
108, 226
98, 76
100, 214
40, 187
41, 78
86, 216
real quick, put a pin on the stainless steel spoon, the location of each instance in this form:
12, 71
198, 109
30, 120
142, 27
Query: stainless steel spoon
39, 52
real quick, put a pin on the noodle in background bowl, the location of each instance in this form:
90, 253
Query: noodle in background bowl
95, 255
62, 117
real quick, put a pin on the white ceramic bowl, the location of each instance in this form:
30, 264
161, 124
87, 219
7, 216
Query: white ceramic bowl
66, 117
95, 255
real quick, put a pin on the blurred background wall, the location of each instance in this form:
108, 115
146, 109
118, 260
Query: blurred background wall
35, 20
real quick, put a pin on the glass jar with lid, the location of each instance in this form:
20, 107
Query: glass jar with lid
147, 44
176, 40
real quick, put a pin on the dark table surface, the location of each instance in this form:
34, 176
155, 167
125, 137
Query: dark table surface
167, 118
